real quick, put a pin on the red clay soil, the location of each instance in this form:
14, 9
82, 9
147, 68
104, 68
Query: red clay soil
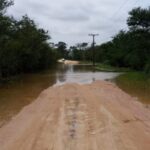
98, 116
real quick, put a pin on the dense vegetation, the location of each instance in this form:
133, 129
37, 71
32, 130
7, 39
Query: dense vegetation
23, 46
129, 49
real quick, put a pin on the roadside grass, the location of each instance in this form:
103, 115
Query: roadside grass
135, 76
108, 68
105, 67
139, 80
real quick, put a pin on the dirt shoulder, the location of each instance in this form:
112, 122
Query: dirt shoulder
68, 62
98, 116
71, 62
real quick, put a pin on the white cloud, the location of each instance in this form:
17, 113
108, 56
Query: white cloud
72, 20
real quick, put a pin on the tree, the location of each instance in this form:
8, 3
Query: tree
139, 18
76, 53
23, 46
62, 49
129, 48
4, 4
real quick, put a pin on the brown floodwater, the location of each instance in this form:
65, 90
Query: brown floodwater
26, 88
141, 91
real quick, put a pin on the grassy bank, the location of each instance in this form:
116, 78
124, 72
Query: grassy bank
108, 68
105, 67
135, 78
136, 84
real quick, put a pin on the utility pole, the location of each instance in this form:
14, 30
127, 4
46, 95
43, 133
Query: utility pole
93, 46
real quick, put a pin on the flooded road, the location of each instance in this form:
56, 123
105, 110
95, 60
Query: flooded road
96, 116
21, 92
139, 90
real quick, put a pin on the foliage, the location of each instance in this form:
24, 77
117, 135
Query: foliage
139, 19
79, 51
130, 48
62, 50
23, 46
4, 4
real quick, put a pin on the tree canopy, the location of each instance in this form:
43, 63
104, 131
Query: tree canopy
127, 48
131, 48
4, 4
23, 46
139, 18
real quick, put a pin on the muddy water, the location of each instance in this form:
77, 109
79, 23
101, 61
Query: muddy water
137, 90
22, 91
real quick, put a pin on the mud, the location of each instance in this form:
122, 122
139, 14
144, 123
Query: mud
97, 116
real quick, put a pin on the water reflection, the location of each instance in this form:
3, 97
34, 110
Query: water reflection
81, 74
19, 93
14, 96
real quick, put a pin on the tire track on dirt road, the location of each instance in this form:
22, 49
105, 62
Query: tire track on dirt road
98, 116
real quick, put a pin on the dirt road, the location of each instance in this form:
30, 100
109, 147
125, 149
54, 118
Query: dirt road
97, 116
68, 62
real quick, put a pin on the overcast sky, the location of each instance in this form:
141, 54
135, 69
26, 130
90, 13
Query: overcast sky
72, 20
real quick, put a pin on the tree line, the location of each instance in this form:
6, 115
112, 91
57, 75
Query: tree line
23, 46
126, 49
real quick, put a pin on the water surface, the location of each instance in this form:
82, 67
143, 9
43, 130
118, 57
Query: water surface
139, 90
22, 91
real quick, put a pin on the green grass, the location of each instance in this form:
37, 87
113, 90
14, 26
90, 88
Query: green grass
105, 67
108, 68
139, 77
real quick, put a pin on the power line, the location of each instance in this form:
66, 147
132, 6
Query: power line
136, 2
122, 5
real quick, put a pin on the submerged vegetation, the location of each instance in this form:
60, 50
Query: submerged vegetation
136, 84
135, 78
